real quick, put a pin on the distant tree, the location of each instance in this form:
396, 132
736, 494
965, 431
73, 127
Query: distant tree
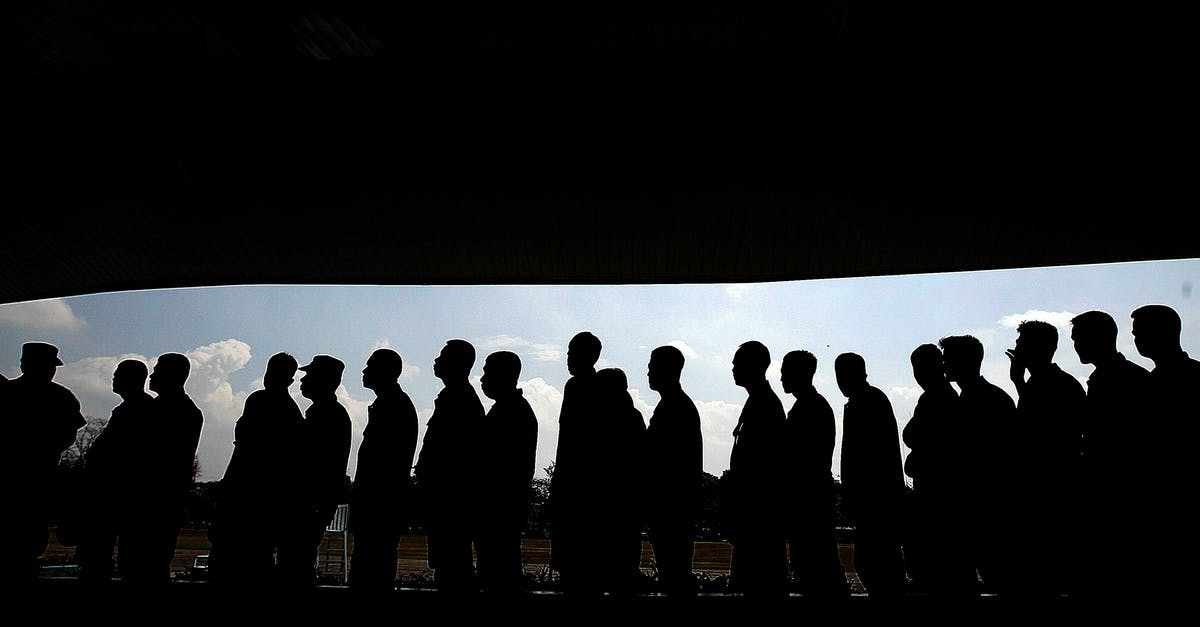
73, 458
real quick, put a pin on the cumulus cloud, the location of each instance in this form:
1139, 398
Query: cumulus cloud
41, 315
1060, 319
717, 420
904, 393
688, 351
519, 345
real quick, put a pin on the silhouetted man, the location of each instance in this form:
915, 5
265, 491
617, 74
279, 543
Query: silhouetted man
1115, 559
447, 466
988, 412
507, 446
1173, 384
258, 497
755, 480
674, 471
811, 435
935, 551
872, 479
41, 419
1048, 444
382, 482
325, 452
147, 544
111, 473
616, 509
569, 494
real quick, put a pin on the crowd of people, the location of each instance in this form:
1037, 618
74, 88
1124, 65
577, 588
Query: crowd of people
1004, 491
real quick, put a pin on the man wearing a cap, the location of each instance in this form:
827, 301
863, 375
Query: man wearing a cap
325, 446
41, 418
446, 468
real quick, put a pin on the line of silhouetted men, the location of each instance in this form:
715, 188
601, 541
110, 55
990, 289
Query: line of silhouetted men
1041, 496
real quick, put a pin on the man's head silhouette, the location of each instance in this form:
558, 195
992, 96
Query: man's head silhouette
851, 372
797, 370
383, 368
582, 353
170, 372
129, 378
962, 356
665, 368
1156, 330
750, 363
455, 361
500, 372
1094, 334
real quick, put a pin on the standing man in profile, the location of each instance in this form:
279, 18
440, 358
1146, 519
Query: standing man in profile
111, 472
447, 466
325, 449
258, 497
147, 546
872, 479
936, 549
987, 413
1173, 384
41, 419
381, 492
755, 480
674, 470
569, 495
811, 436
507, 446
1049, 441
1113, 558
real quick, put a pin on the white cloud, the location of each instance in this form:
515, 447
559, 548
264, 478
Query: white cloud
519, 345
904, 393
41, 315
1060, 319
688, 351
717, 420
91, 381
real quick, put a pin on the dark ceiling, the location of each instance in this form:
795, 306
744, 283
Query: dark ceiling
164, 144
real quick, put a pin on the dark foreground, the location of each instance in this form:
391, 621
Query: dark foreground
188, 603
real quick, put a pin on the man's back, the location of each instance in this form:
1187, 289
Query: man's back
674, 453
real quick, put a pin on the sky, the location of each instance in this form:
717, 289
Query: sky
230, 332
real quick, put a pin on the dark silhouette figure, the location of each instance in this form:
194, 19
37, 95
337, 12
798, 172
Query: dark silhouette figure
751, 496
258, 497
324, 453
811, 435
507, 441
575, 459
41, 419
674, 471
447, 466
872, 479
147, 543
1047, 438
111, 473
1114, 558
617, 510
987, 413
933, 550
381, 493
1173, 384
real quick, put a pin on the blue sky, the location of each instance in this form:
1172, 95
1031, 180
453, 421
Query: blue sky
230, 332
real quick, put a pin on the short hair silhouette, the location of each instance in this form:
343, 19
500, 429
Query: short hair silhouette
613, 380
803, 361
587, 345
850, 363
1096, 323
926, 355
133, 368
965, 347
669, 358
755, 355
461, 355
173, 368
1161, 317
283, 364
389, 362
505, 366
1040, 333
